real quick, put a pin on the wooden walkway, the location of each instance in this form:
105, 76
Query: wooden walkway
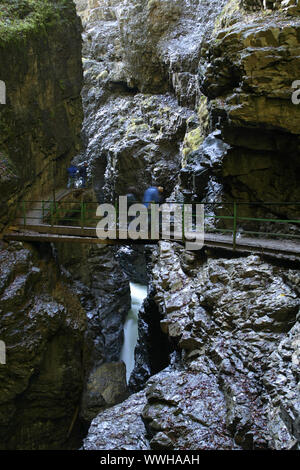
70, 234
32, 227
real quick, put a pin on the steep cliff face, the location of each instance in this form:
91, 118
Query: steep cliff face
234, 381
232, 323
228, 321
42, 324
246, 72
42, 321
40, 63
140, 61
103, 290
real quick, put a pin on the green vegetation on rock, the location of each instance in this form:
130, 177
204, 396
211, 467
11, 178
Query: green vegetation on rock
192, 142
21, 17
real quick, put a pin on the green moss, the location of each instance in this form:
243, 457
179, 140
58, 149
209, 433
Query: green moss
152, 4
203, 114
62, 85
227, 14
137, 126
19, 18
192, 142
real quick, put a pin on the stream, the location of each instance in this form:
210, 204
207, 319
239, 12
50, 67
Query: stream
138, 294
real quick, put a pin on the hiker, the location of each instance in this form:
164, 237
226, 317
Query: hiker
132, 198
153, 194
83, 174
72, 173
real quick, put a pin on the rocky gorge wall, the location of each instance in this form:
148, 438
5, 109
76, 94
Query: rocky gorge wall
62, 307
42, 324
194, 95
140, 60
40, 63
251, 133
233, 382
42, 321
104, 293
231, 324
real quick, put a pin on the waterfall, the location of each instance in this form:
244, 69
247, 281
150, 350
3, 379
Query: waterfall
138, 294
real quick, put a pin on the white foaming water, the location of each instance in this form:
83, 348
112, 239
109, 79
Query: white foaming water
138, 294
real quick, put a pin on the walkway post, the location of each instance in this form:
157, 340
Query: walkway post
82, 214
234, 224
117, 219
53, 176
183, 227
51, 212
24, 212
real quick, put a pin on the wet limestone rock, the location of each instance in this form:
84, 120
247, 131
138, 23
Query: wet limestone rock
104, 292
235, 383
142, 41
120, 427
42, 324
186, 411
106, 386
229, 317
140, 63
233, 322
247, 68
40, 63
282, 382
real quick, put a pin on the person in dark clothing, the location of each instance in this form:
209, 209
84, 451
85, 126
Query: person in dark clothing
153, 195
83, 174
72, 173
132, 198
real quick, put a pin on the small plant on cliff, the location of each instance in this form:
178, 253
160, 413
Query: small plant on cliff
21, 17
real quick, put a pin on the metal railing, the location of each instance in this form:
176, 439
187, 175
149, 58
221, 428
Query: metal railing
56, 212
231, 221
240, 222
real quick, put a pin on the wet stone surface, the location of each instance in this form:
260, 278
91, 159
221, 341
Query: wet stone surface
234, 381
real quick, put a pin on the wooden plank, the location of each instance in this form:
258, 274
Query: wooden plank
59, 230
256, 243
52, 238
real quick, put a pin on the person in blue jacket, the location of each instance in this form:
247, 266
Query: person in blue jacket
72, 173
153, 194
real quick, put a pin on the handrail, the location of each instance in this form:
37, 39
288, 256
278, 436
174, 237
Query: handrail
53, 211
